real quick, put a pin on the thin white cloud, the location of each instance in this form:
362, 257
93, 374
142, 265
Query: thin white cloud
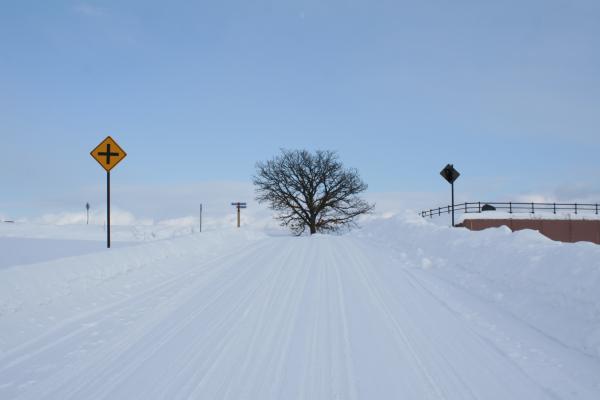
574, 192
579, 191
535, 198
90, 10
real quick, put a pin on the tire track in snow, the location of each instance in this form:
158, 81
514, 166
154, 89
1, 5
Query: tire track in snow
274, 271
341, 307
284, 318
205, 274
313, 368
453, 368
434, 391
279, 326
209, 360
183, 324
80, 324
570, 386
162, 337
342, 350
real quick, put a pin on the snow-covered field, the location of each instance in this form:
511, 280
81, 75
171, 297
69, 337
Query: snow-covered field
401, 308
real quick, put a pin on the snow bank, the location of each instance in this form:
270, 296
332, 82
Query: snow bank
21, 251
135, 232
97, 217
28, 291
400, 309
119, 233
550, 285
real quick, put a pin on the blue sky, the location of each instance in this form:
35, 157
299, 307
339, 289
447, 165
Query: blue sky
507, 91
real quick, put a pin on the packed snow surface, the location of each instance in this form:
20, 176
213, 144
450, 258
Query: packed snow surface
401, 309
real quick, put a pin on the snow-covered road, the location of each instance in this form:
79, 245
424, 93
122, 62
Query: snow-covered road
323, 317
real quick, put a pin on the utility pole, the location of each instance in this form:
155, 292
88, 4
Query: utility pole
200, 217
239, 206
87, 208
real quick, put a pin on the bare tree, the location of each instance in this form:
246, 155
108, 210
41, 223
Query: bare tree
310, 190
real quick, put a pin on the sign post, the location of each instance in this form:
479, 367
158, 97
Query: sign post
108, 154
450, 174
239, 206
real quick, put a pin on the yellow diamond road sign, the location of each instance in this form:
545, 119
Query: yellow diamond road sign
108, 153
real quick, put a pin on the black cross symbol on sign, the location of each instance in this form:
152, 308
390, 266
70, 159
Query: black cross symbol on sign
108, 153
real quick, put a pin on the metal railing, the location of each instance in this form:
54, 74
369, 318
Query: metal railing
513, 207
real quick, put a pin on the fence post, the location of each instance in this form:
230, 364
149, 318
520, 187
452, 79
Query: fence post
510, 207
596, 208
440, 211
575, 208
431, 213
479, 203
532, 209
554, 208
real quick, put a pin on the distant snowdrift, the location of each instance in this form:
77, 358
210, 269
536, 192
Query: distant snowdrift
142, 232
551, 285
97, 217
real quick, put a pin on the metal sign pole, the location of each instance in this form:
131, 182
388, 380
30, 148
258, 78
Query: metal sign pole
108, 209
452, 184
450, 174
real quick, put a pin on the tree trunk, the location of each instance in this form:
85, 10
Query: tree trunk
313, 223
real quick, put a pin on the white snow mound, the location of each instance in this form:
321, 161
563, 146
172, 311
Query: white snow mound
401, 308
